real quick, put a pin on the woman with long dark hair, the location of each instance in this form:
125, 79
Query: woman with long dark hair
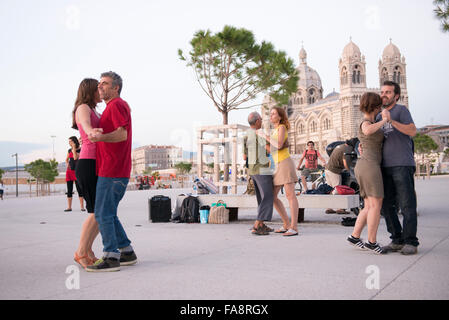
86, 119
70, 177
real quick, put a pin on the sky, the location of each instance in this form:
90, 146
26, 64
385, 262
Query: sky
48, 47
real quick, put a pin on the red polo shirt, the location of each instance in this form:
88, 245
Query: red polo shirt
114, 158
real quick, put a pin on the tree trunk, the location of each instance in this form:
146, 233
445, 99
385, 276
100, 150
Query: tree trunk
226, 165
225, 117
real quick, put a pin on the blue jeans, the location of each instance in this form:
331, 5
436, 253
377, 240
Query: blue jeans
108, 195
399, 193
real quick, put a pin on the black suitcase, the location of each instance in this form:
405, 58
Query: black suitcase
159, 208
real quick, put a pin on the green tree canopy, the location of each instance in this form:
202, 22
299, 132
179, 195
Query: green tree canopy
183, 167
155, 175
442, 13
1, 173
424, 144
43, 171
233, 69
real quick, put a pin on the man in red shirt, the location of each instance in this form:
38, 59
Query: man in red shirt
113, 169
311, 155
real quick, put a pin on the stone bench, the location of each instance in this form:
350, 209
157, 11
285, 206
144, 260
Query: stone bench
311, 201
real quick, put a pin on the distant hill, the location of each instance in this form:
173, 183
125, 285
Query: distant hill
61, 167
13, 168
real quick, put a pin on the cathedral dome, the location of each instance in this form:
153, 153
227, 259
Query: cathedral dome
391, 51
332, 94
307, 75
351, 50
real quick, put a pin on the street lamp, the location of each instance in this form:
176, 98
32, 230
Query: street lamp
54, 157
17, 174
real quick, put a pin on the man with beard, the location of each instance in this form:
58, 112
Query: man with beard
398, 168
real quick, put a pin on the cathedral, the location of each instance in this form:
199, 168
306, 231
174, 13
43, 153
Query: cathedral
335, 116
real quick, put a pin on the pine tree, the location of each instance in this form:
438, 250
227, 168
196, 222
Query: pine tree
442, 13
232, 69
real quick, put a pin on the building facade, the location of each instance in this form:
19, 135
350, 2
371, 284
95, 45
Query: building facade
439, 134
155, 157
335, 116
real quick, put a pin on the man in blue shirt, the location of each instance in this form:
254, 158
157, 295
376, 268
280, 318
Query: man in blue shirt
398, 168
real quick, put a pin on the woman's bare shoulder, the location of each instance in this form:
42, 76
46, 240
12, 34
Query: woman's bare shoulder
83, 107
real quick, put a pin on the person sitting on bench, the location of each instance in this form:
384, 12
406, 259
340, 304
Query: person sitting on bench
339, 160
311, 164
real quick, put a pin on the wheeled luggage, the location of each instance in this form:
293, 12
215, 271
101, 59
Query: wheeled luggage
159, 208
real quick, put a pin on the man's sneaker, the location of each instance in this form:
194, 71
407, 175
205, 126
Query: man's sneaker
128, 258
409, 249
104, 265
356, 242
374, 247
393, 247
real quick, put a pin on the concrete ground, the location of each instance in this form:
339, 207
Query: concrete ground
201, 261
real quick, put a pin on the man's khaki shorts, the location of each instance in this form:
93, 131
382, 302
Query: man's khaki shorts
307, 172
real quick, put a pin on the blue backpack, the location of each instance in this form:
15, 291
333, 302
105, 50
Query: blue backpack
322, 189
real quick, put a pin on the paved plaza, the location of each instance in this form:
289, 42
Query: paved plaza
201, 261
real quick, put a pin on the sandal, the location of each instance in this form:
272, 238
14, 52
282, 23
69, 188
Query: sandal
281, 230
290, 233
260, 231
267, 228
78, 259
264, 227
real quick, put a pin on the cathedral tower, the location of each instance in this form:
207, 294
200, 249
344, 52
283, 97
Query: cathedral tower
309, 89
392, 67
352, 68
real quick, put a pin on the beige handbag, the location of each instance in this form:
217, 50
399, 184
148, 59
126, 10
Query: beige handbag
219, 215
